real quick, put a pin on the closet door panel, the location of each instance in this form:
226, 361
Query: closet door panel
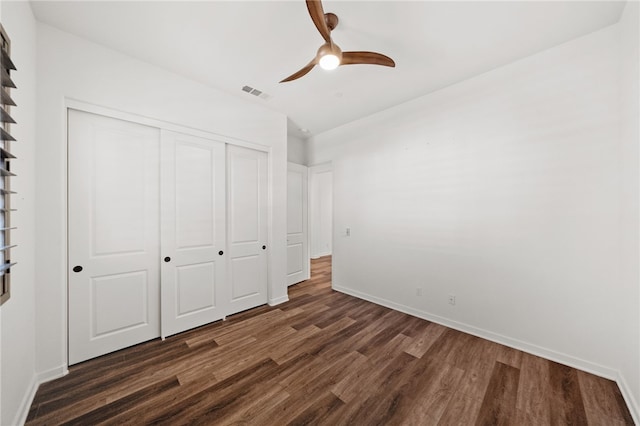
113, 234
195, 288
247, 281
193, 232
247, 225
195, 167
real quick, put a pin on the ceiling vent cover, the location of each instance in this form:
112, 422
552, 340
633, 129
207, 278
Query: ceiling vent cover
256, 92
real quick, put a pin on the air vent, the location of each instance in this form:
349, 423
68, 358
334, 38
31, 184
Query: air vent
256, 92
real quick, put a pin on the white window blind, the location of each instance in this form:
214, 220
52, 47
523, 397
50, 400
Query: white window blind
6, 103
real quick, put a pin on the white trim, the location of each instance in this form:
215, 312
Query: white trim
52, 374
270, 218
549, 354
36, 381
64, 226
278, 300
627, 395
319, 255
322, 167
152, 122
25, 404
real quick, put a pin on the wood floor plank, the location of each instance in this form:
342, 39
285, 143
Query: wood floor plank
370, 374
415, 326
509, 356
215, 400
262, 412
394, 326
448, 341
109, 410
312, 343
461, 410
251, 413
499, 403
567, 405
350, 338
99, 390
325, 358
602, 400
284, 351
380, 408
533, 390
320, 411
85, 377
433, 396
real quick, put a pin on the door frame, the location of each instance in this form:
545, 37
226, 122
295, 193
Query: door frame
73, 104
304, 170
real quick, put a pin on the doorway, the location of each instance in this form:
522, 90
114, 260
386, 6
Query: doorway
321, 210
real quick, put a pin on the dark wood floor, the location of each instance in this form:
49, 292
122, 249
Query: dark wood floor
326, 358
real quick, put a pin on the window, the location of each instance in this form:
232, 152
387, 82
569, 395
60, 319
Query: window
6, 66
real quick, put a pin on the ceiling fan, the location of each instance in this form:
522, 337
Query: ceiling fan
329, 55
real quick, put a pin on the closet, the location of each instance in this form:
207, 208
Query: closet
167, 232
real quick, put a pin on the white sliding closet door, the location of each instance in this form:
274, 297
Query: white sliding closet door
297, 235
167, 232
193, 232
114, 235
247, 227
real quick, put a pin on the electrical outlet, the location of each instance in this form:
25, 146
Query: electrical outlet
347, 232
418, 291
452, 299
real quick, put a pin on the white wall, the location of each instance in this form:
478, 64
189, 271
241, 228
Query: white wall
296, 150
70, 67
17, 338
629, 327
503, 190
320, 210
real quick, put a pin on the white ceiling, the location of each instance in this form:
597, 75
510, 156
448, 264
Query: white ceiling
231, 44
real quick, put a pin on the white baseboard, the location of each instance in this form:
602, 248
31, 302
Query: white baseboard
36, 381
278, 300
25, 404
54, 373
546, 353
319, 255
633, 405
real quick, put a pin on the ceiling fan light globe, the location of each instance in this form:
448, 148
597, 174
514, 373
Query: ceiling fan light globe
329, 62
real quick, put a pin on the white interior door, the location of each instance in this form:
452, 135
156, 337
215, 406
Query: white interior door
193, 232
297, 235
321, 210
113, 235
247, 227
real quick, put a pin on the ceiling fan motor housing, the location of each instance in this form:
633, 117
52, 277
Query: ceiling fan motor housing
329, 49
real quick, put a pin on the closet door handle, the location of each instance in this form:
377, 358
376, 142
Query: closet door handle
167, 259
77, 268
220, 252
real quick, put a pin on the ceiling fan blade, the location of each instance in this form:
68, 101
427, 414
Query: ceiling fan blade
372, 58
300, 73
317, 15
